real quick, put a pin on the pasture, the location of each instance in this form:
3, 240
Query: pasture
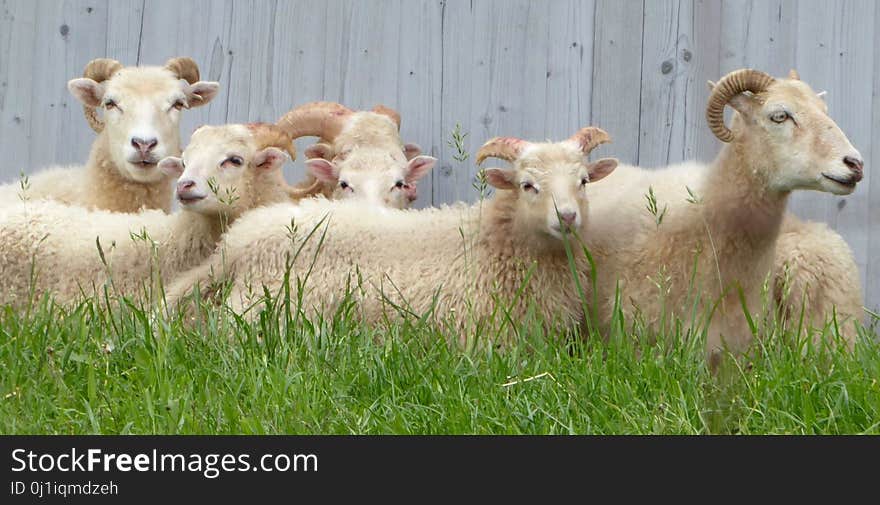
126, 369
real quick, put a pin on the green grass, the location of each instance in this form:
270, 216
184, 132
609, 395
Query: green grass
93, 370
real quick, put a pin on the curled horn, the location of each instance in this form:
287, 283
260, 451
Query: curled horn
269, 135
729, 86
98, 70
589, 138
184, 68
388, 111
504, 148
309, 187
315, 119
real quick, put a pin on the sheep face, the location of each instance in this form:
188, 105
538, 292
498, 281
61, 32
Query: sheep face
223, 171
141, 111
799, 145
549, 181
381, 177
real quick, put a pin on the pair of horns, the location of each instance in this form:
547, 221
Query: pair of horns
510, 148
101, 69
325, 119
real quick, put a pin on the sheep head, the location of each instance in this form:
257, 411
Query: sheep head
360, 154
783, 126
226, 170
547, 180
380, 176
141, 110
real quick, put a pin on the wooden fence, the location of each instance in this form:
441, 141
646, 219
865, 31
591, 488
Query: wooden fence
531, 68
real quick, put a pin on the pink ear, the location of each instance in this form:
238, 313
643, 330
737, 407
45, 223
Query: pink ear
319, 150
200, 93
171, 166
324, 170
411, 151
269, 158
86, 91
418, 167
500, 178
601, 168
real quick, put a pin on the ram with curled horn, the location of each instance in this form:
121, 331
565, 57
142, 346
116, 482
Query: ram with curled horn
711, 230
359, 154
139, 125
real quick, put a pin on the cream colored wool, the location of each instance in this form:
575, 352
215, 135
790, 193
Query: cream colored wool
816, 276
57, 243
467, 263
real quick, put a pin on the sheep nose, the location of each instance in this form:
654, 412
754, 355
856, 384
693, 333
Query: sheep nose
856, 165
568, 217
185, 185
144, 146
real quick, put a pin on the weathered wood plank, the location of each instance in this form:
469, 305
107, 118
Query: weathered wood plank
617, 74
17, 39
872, 272
569, 69
666, 54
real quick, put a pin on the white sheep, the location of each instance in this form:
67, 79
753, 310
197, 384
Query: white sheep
52, 248
816, 279
484, 265
140, 126
359, 154
714, 228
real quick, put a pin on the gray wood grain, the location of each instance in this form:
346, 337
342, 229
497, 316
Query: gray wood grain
527, 68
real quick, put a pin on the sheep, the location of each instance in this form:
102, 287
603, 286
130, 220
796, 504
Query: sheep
228, 170
471, 263
715, 227
359, 153
141, 125
816, 276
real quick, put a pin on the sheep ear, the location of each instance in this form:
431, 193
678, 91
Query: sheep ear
744, 103
319, 150
171, 166
86, 91
418, 167
270, 158
324, 170
599, 169
411, 151
711, 85
500, 178
200, 93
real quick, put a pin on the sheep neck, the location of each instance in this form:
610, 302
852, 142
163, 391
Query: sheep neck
193, 237
738, 202
503, 234
113, 191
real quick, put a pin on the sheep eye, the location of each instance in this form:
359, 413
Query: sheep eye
110, 104
584, 181
343, 185
398, 184
235, 161
179, 105
528, 186
779, 116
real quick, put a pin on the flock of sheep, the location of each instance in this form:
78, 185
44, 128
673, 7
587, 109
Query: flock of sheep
563, 237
